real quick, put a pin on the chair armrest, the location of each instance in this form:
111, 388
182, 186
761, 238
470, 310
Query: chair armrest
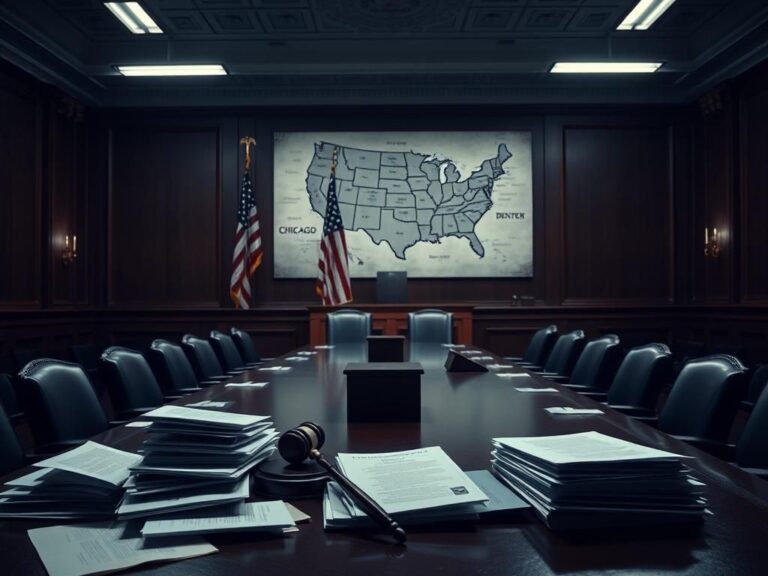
634, 411
236, 372
219, 378
206, 383
559, 378
594, 395
172, 397
719, 449
253, 364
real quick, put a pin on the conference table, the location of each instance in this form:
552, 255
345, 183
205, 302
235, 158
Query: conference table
461, 412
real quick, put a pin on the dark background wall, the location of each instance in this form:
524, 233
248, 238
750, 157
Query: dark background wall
621, 198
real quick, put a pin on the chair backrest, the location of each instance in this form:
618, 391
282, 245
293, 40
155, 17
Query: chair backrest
8, 398
11, 455
597, 363
348, 325
430, 325
226, 351
171, 366
131, 383
565, 353
640, 376
752, 447
541, 345
59, 402
704, 398
201, 356
757, 383
245, 345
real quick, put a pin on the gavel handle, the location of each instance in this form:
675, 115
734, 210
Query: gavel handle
366, 503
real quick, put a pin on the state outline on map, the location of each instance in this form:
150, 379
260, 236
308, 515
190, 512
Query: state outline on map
448, 193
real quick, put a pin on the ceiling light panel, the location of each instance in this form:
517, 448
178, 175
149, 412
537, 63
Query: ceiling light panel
174, 70
605, 67
134, 17
644, 14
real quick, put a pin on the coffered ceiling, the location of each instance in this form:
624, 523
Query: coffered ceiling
382, 51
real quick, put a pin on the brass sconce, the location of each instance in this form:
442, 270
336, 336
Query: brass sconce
69, 253
711, 243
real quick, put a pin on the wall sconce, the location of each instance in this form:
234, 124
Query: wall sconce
711, 243
69, 253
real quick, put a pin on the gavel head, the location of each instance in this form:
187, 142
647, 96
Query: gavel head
296, 444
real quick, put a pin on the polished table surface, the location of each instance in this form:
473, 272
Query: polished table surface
460, 412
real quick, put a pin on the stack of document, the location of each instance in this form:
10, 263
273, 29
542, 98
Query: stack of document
590, 480
414, 487
195, 458
83, 483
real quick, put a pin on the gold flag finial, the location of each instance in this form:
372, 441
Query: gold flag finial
248, 141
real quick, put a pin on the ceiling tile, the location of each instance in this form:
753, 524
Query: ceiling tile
287, 21
97, 23
596, 19
233, 21
538, 20
685, 19
216, 4
491, 19
184, 22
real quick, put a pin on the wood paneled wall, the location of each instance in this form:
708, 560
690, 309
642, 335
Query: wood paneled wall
621, 197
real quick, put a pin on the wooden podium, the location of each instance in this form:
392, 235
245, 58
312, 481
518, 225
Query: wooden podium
392, 320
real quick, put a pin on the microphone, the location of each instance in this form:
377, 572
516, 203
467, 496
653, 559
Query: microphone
305, 441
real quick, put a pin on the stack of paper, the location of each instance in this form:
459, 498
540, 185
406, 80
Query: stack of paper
86, 482
414, 487
590, 480
195, 458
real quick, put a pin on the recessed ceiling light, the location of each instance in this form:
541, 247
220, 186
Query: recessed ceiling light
605, 67
174, 70
134, 17
644, 14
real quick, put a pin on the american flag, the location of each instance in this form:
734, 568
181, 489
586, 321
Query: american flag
248, 253
333, 284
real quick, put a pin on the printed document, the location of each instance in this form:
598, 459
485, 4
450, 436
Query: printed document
96, 461
106, 547
412, 480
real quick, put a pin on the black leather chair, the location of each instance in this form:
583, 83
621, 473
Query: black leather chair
638, 381
539, 347
756, 386
130, 381
348, 326
703, 402
564, 355
8, 398
751, 451
203, 359
227, 353
596, 367
245, 346
172, 369
430, 326
60, 405
11, 455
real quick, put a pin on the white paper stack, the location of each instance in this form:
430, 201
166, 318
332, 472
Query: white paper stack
195, 458
83, 483
590, 480
414, 487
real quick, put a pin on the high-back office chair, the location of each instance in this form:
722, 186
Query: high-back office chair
756, 386
172, 368
638, 381
227, 353
539, 347
752, 448
11, 455
8, 398
704, 399
596, 367
430, 326
60, 404
348, 326
130, 381
564, 355
245, 345
203, 359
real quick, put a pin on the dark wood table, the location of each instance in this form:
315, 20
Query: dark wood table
461, 413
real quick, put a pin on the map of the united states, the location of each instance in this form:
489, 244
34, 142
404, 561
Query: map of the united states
403, 198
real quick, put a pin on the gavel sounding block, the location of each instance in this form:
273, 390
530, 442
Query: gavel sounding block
383, 391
